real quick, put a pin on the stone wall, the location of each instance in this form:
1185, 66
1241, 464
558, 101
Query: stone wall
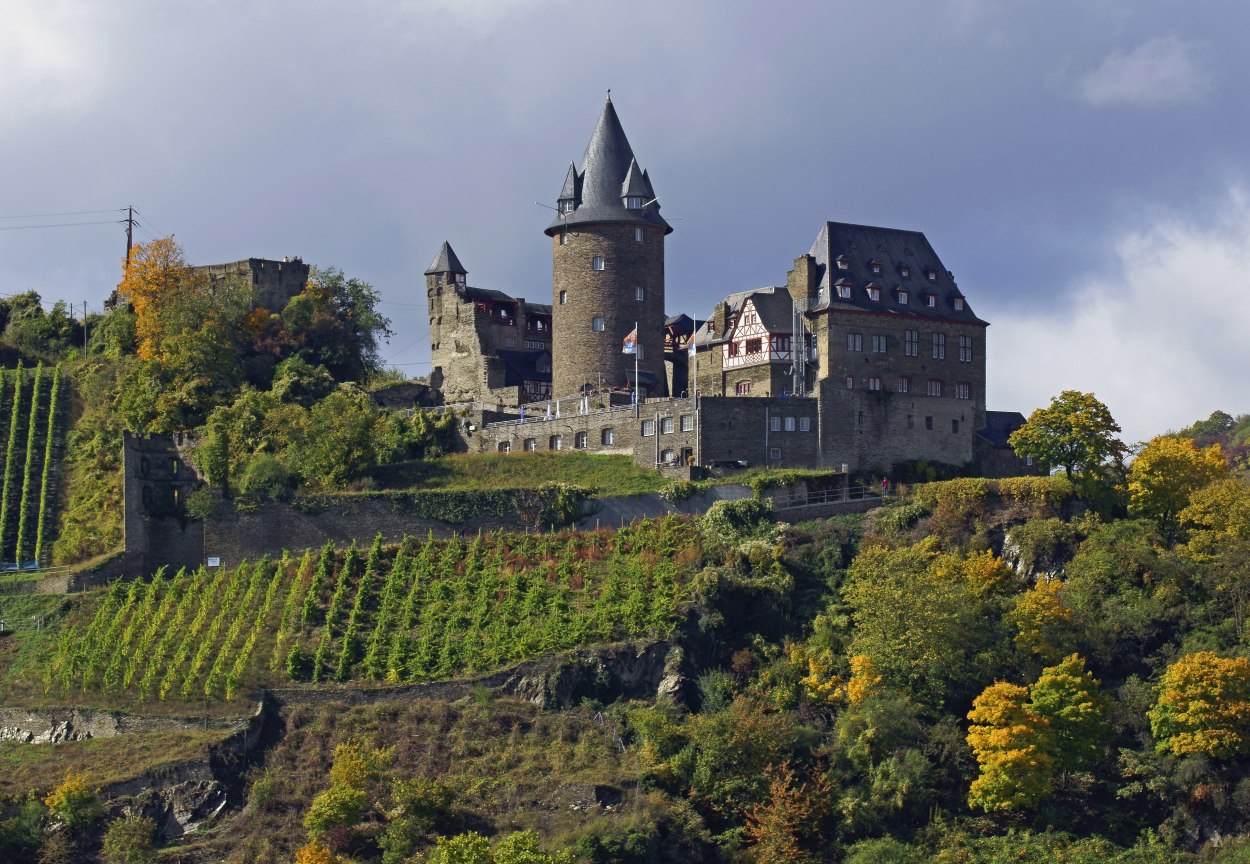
157, 480
276, 282
583, 354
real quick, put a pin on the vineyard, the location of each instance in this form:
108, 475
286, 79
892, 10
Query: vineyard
423, 610
31, 428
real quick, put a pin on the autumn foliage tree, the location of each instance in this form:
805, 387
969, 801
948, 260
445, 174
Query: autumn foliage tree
1164, 476
1203, 707
784, 828
1012, 748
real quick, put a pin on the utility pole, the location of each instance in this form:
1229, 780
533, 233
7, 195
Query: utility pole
130, 235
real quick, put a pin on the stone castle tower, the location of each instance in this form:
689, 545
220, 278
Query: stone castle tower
608, 251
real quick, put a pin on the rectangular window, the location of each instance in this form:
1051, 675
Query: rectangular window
596, 263
564, 297
733, 349
930, 300
844, 291
911, 343
874, 383
774, 424
904, 384
928, 423
965, 349
939, 346
579, 441
789, 424
874, 293
743, 388
640, 294
648, 428
687, 422
774, 453
637, 235
935, 387
566, 205
902, 296
633, 202
850, 382
530, 444
854, 342
955, 426
596, 324
754, 346
805, 424
781, 343
666, 425
963, 390
878, 344
564, 238
959, 303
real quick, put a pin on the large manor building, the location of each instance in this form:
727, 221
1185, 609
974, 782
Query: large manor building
868, 356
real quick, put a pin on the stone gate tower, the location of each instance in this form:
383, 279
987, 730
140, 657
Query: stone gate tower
608, 249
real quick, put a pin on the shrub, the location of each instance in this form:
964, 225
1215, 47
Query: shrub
129, 841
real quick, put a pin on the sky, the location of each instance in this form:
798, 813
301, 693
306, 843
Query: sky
1081, 167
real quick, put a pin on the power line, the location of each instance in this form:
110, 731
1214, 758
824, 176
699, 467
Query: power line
57, 225
153, 225
70, 213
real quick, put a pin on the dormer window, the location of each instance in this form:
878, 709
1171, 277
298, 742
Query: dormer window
931, 274
875, 266
905, 271
903, 295
459, 278
844, 289
843, 262
633, 202
874, 293
930, 300
959, 303
566, 205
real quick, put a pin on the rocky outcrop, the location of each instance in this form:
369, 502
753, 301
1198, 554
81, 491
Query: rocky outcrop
54, 725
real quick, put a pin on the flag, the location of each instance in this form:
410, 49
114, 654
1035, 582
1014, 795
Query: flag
630, 345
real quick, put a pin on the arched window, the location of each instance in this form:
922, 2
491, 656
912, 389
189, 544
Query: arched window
530, 444
580, 440
607, 436
555, 442
505, 446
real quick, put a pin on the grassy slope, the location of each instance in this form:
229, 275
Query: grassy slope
506, 761
39, 767
609, 475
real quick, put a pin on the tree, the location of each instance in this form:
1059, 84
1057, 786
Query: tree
1012, 749
1067, 697
334, 323
1042, 622
73, 804
781, 828
1203, 707
1075, 431
129, 841
1165, 475
914, 610
1218, 517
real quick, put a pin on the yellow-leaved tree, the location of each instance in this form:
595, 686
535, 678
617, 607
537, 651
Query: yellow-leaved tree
1203, 707
1042, 621
1011, 745
1165, 474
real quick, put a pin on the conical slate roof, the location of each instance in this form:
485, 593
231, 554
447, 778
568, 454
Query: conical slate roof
446, 262
608, 168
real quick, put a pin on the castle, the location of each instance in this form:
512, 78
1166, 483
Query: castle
868, 356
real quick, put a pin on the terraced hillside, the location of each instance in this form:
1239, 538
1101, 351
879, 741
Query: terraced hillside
424, 610
32, 431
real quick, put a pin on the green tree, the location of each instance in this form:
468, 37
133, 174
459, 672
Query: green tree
1203, 707
1075, 431
1076, 713
129, 841
1165, 474
335, 323
73, 804
1218, 519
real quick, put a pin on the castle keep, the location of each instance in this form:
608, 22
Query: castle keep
868, 356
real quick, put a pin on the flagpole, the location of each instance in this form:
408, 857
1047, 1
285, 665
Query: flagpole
637, 343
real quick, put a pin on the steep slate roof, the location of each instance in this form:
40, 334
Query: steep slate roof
893, 248
445, 262
775, 309
600, 185
999, 425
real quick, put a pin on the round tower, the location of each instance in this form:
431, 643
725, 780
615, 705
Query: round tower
608, 270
